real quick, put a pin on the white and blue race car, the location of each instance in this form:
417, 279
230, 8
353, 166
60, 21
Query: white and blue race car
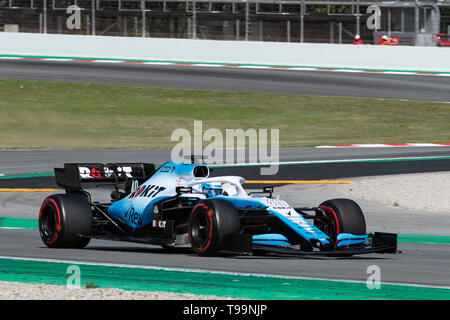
180, 205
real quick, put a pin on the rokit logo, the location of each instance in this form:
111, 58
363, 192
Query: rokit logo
159, 224
103, 172
147, 191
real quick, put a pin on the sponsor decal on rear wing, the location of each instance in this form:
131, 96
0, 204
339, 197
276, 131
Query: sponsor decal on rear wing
73, 174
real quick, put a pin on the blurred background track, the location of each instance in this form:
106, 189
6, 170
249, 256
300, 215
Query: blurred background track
319, 83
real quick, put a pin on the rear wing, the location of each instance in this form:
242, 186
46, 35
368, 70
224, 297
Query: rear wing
73, 174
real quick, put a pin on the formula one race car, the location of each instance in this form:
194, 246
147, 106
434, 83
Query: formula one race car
179, 205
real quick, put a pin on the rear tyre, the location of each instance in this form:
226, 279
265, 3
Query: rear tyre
209, 223
341, 216
65, 221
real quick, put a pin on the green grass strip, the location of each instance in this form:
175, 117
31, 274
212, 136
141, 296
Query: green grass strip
28, 175
205, 283
414, 238
145, 117
19, 223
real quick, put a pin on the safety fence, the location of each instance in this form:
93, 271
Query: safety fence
313, 21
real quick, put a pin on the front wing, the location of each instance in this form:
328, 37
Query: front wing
378, 242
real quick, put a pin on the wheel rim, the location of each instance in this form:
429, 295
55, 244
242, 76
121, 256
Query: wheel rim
48, 222
200, 229
328, 224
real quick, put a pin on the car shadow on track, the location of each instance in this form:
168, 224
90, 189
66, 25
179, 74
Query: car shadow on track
189, 253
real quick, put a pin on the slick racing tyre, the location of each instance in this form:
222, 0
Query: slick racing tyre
209, 223
63, 218
341, 216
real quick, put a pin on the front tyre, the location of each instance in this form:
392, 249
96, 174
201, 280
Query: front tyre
341, 216
209, 223
64, 219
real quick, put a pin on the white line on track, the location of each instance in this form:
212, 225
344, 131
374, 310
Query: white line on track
388, 145
327, 161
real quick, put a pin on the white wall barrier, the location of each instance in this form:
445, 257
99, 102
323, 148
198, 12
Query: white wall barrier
427, 59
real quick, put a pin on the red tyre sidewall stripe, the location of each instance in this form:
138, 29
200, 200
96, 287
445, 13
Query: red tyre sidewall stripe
58, 226
210, 215
331, 210
210, 218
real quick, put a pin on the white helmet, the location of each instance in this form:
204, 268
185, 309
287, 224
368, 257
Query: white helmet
212, 189
357, 37
385, 37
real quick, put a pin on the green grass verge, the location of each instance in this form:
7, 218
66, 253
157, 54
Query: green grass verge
205, 283
38, 114
19, 223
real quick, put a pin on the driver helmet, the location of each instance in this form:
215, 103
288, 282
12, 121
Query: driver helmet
212, 189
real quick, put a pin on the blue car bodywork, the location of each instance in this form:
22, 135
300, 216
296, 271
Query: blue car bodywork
155, 209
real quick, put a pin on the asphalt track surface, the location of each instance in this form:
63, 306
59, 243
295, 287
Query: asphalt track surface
291, 172
424, 264
418, 264
13, 161
319, 83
